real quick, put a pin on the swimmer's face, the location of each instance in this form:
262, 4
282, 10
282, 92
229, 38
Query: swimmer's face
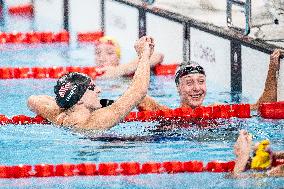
192, 90
91, 97
105, 55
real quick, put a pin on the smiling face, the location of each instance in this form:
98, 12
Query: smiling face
106, 55
192, 90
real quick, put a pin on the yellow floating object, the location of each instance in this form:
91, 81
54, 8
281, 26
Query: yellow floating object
261, 160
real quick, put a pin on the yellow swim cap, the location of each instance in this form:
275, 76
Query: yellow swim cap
112, 41
261, 160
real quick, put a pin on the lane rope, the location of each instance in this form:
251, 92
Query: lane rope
23, 10
47, 37
273, 110
46, 72
113, 168
178, 114
34, 37
54, 72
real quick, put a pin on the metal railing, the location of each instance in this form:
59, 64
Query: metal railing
246, 5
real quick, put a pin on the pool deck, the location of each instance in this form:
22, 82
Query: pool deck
262, 27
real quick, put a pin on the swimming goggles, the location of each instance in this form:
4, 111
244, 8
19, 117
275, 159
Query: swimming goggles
188, 69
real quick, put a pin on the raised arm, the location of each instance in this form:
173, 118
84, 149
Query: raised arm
270, 90
105, 118
129, 68
44, 106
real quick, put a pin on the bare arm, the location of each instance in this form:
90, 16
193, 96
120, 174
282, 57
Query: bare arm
106, 118
270, 90
149, 104
155, 59
44, 106
130, 68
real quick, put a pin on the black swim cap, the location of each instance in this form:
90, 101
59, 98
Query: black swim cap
70, 88
188, 68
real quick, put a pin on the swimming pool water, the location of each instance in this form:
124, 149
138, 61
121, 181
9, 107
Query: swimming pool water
135, 141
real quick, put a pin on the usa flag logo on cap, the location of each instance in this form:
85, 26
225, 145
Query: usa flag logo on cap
63, 89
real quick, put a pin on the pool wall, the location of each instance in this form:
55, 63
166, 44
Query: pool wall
238, 63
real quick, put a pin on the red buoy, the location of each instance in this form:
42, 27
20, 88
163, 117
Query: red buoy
273, 110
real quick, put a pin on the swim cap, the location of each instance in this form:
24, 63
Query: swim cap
70, 88
112, 41
261, 159
188, 68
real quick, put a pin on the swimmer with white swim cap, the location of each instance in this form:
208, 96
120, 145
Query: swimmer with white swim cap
77, 103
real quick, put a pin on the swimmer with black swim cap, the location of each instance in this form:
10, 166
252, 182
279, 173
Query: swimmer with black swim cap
77, 104
190, 79
188, 68
71, 87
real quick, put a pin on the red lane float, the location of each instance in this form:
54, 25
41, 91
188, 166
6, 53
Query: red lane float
89, 36
22, 120
65, 170
47, 37
86, 169
45, 72
218, 166
112, 168
193, 166
173, 167
273, 110
4, 119
179, 114
169, 69
48, 72
185, 114
151, 167
44, 170
108, 168
34, 37
27, 10
130, 168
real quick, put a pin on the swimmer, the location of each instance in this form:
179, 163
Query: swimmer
243, 148
107, 58
190, 81
78, 105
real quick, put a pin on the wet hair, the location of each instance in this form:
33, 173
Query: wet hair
70, 88
188, 68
